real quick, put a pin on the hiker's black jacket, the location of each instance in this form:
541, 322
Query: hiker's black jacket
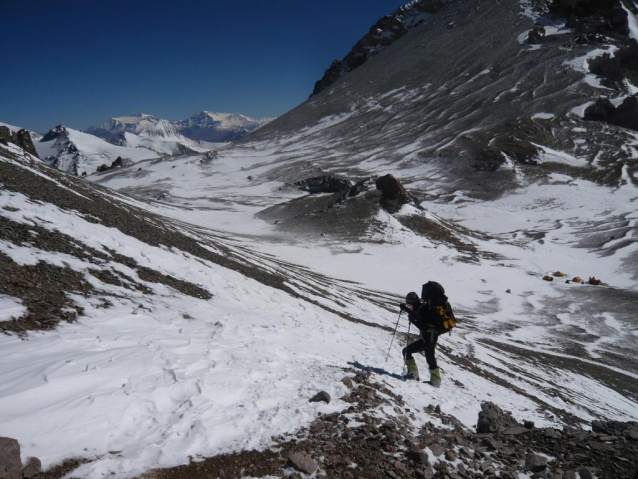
430, 318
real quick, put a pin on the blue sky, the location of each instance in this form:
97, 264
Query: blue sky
80, 62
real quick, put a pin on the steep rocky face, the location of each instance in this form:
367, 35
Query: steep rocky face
21, 138
386, 31
468, 98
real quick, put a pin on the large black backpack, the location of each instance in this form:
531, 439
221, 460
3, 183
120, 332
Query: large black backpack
440, 312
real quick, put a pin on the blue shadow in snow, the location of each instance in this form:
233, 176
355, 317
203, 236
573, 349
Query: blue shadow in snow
370, 369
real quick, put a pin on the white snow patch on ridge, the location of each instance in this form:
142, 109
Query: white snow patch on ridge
11, 308
633, 22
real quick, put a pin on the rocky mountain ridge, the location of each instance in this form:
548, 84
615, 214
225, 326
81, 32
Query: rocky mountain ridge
383, 33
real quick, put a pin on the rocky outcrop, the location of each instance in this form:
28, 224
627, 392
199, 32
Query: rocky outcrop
614, 69
323, 184
385, 32
118, 163
592, 17
20, 138
394, 195
625, 115
11, 464
628, 430
493, 419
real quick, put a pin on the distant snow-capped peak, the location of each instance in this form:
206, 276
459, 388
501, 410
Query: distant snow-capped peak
81, 153
203, 126
225, 121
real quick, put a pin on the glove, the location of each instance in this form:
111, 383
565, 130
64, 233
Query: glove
402, 307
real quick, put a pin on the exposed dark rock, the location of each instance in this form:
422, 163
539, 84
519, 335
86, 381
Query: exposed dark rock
592, 16
54, 133
625, 115
386, 31
10, 462
20, 138
323, 184
535, 462
359, 187
33, 467
394, 194
117, 163
303, 462
493, 419
585, 473
320, 396
615, 68
536, 35
617, 428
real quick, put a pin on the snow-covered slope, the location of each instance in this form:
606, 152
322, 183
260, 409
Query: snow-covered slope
178, 339
112, 129
81, 154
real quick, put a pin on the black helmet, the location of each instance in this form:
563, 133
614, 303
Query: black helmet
412, 298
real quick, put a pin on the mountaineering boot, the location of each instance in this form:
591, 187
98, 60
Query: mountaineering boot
413, 370
435, 378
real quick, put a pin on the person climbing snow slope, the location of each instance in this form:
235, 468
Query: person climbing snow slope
433, 316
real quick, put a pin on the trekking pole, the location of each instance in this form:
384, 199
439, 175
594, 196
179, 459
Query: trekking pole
393, 334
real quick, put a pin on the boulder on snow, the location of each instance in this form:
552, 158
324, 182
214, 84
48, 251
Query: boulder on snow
303, 462
10, 462
393, 193
347, 382
535, 463
33, 467
493, 419
536, 35
321, 396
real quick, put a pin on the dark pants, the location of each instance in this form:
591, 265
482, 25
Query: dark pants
428, 345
